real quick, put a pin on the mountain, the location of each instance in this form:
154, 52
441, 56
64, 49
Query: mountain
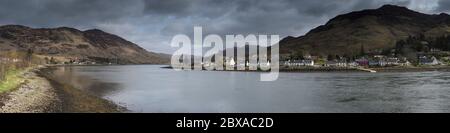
68, 43
369, 30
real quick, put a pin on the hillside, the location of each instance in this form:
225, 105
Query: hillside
371, 30
68, 43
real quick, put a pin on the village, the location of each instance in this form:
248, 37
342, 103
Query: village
368, 61
423, 60
55, 60
371, 59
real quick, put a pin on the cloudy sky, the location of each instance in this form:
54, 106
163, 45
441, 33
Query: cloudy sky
153, 23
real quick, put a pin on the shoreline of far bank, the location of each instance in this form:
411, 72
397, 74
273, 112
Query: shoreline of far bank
344, 70
41, 92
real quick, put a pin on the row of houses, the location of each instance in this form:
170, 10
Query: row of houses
307, 62
382, 61
14, 60
375, 61
394, 61
233, 63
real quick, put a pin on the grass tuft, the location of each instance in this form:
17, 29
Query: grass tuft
12, 80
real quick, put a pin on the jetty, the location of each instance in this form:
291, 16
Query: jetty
366, 69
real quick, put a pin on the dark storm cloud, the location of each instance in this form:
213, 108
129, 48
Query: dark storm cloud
444, 6
167, 7
152, 23
188, 8
284, 17
63, 12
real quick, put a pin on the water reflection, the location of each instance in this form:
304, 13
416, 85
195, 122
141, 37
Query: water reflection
69, 75
153, 89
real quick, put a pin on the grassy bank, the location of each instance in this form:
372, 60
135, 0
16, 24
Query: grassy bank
12, 80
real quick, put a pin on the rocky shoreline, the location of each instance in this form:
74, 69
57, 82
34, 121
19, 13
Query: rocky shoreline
413, 69
34, 95
40, 93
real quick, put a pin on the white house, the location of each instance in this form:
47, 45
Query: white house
424, 60
336, 63
232, 62
392, 61
307, 62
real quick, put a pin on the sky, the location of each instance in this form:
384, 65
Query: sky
153, 23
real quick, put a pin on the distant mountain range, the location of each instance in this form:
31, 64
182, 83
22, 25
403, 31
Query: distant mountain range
372, 29
68, 43
347, 34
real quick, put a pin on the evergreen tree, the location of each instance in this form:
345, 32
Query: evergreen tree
363, 52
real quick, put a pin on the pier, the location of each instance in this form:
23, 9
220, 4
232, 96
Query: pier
366, 69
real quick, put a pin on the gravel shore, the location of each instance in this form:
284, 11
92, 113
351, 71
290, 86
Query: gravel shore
34, 95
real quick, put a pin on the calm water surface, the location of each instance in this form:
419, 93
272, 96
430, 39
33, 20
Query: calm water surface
149, 88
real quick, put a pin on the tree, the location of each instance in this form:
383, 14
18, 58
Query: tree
386, 52
347, 57
330, 57
52, 60
46, 60
362, 52
300, 55
29, 56
399, 46
338, 57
